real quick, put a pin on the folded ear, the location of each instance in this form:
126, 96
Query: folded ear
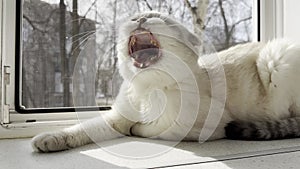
147, 15
194, 40
187, 35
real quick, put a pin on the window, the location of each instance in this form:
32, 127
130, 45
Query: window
45, 42
59, 56
61, 44
69, 47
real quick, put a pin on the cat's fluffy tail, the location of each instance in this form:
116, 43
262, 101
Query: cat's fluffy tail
263, 130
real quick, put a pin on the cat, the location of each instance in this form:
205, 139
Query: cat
168, 92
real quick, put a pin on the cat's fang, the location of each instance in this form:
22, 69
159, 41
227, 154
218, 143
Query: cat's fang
154, 57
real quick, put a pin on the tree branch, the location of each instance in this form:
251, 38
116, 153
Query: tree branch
84, 16
148, 5
31, 23
238, 22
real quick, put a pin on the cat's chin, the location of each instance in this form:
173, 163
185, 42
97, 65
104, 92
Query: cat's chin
142, 65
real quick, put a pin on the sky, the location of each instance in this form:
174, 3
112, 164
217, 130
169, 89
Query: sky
84, 5
51, 1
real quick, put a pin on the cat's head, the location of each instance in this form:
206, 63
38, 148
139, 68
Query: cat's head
150, 41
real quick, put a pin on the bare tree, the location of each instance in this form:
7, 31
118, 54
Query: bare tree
226, 26
63, 53
63, 40
228, 22
75, 49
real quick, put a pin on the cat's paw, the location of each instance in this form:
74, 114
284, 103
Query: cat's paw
50, 142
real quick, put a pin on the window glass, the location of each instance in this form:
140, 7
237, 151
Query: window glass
63, 38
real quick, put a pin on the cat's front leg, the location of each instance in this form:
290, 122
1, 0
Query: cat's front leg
52, 141
158, 130
106, 127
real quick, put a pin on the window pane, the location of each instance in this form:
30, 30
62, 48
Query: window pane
69, 46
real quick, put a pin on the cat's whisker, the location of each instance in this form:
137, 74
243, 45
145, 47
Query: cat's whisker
79, 19
171, 25
164, 19
80, 44
84, 36
82, 33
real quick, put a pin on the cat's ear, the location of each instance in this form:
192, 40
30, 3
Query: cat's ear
188, 36
146, 15
194, 40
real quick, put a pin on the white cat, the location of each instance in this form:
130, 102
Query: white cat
169, 93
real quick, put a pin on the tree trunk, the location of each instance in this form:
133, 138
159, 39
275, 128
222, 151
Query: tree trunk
226, 28
75, 49
114, 36
198, 13
75, 31
63, 54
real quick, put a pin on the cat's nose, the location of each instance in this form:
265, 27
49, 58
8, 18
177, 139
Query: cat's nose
142, 20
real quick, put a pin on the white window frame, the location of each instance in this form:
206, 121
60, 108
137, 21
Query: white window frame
14, 124
271, 19
7, 57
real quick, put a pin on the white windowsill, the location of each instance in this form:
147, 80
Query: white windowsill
222, 154
44, 122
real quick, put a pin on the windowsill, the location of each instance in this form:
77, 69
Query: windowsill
44, 122
216, 154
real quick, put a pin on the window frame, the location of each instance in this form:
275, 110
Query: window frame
18, 76
14, 118
7, 58
271, 19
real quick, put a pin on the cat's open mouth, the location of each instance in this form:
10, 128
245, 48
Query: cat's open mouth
143, 48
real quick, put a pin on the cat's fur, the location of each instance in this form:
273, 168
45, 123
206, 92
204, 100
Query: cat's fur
262, 93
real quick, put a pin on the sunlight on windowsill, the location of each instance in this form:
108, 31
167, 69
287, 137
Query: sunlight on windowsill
145, 153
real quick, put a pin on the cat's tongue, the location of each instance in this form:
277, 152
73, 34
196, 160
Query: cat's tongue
143, 48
